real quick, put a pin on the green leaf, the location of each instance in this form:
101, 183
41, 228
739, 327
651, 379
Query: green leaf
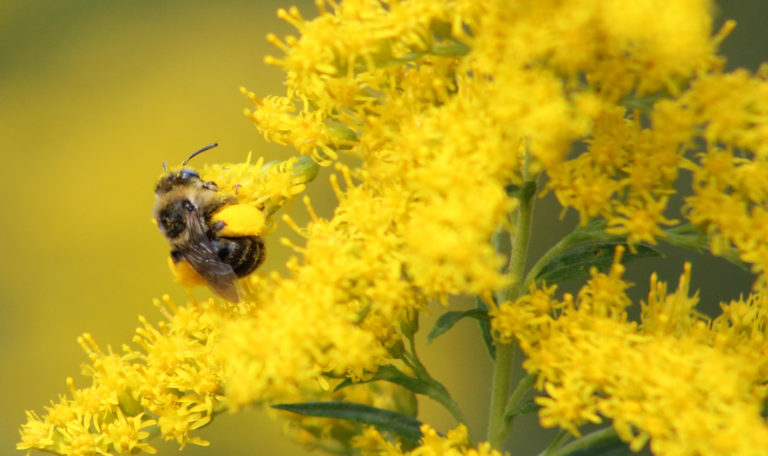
392, 374
575, 263
690, 237
525, 408
448, 319
525, 192
602, 442
426, 386
451, 49
129, 404
610, 448
485, 328
404, 426
643, 104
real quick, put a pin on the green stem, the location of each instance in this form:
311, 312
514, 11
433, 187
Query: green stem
689, 237
562, 437
498, 428
594, 231
519, 248
556, 250
593, 438
514, 400
437, 391
502, 371
447, 401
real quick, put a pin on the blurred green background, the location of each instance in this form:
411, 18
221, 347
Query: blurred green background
94, 96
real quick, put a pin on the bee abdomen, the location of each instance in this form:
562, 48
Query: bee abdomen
243, 254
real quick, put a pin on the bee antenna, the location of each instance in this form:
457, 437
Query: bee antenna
198, 152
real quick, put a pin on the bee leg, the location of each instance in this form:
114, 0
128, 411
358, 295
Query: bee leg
211, 185
218, 226
176, 256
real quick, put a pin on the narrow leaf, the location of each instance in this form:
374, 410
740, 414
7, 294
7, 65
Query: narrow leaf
404, 426
525, 408
690, 237
575, 263
426, 386
527, 190
485, 328
609, 448
602, 442
392, 374
449, 319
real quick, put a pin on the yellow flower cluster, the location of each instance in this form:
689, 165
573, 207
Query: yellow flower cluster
182, 375
454, 443
730, 197
267, 186
170, 386
451, 107
448, 92
689, 385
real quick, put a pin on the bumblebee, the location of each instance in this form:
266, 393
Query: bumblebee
189, 211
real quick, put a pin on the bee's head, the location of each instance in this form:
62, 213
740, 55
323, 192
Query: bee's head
177, 179
185, 177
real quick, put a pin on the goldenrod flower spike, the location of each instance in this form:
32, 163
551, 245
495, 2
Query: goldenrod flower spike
438, 123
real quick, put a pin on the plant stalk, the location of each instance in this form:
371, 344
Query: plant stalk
498, 427
523, 387
593, 438
502, 372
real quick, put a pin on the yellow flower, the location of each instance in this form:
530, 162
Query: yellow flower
641, 223
688, 386
170, 386
454, 443
451, 110
530, 314
265, 186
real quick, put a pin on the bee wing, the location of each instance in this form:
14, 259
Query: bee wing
201, 254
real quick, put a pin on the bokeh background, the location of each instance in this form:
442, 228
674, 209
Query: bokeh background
94, 96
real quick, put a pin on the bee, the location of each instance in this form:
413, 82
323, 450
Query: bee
185, 209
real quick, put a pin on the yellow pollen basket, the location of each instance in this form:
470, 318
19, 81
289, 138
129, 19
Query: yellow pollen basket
241, 220
185, 274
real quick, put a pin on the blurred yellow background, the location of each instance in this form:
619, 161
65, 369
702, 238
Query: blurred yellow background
94, 96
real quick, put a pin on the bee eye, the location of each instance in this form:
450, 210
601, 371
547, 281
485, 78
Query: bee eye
188, 206
188, 174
